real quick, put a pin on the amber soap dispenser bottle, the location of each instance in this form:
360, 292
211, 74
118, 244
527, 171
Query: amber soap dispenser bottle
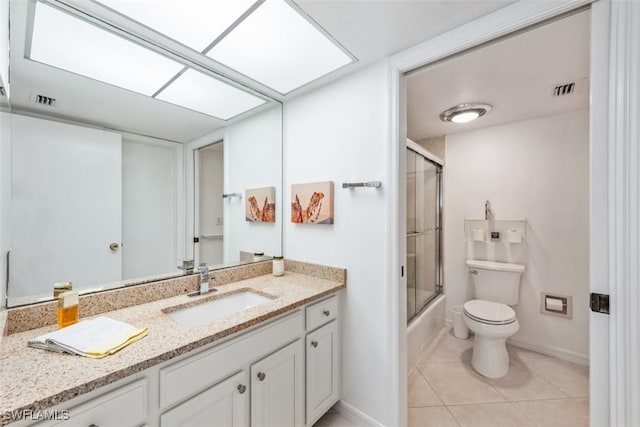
67, 308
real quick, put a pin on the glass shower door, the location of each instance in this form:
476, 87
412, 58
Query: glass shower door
423, 232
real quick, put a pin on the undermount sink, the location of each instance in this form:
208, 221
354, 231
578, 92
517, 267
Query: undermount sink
209, 311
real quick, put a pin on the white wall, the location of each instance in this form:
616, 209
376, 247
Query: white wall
5, 150
341, 133
253, 155
4, 43
252, 158
538, 169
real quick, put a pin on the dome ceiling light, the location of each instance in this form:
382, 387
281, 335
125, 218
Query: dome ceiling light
465, 113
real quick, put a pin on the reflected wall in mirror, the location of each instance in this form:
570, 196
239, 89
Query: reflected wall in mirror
111, 187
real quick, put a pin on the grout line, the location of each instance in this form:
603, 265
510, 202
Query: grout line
431, 386
454, 417
514, 406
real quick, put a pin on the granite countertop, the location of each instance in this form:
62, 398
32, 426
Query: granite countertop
34, 379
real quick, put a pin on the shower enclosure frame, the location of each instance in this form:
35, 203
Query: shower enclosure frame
439, 279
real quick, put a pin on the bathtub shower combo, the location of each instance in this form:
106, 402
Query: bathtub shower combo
425, 302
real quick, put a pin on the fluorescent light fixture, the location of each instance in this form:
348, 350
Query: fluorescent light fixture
72, 44
200, 92
194, 23
465, 113
279, 48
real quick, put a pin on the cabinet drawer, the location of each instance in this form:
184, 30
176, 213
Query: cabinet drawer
194, 374
124, 407
322, 312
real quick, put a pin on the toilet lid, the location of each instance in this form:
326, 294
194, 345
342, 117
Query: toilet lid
489, 312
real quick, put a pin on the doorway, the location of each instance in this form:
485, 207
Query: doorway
529, 155
209, 212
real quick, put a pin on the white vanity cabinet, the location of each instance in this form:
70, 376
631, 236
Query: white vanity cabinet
272, 388
261, 377
322, 358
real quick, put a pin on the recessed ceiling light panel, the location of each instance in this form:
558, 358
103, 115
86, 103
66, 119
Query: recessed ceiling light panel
72, 44
465, 113
279, 48
194, 23
205, 94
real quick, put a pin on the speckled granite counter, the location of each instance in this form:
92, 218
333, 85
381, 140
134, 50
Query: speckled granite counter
33, 379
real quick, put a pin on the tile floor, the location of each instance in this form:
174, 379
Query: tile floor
539, 390
444, 390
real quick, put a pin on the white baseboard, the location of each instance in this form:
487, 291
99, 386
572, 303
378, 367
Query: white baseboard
549, 351
552, 351
354, 415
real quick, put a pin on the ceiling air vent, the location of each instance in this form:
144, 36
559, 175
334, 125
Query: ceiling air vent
43, 100
564, 89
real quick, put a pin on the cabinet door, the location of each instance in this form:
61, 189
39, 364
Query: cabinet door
225, 405
322, 371
277, 388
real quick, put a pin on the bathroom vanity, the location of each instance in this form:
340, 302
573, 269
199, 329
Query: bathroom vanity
276, 363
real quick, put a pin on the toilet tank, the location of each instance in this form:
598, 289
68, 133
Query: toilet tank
496, 281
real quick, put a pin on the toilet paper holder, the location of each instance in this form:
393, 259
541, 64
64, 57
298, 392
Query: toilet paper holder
556, 304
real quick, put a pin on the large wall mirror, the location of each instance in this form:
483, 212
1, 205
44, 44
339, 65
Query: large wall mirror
130, 153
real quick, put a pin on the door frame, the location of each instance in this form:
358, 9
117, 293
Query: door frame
614, 225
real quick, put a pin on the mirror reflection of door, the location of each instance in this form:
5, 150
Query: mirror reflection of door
66, 206
209, 219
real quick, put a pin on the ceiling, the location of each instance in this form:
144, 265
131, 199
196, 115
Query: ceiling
369, 30
515, 75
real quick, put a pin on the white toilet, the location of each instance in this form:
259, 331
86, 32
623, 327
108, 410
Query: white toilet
489, 317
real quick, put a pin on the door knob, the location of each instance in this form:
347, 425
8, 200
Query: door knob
314, 344
326, 313
114, 246
242, 388
261, 376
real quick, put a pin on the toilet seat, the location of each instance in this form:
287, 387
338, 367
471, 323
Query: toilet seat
488, 312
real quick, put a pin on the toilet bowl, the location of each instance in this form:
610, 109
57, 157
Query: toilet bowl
492, 323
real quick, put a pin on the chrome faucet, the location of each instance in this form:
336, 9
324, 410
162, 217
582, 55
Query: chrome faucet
204, 278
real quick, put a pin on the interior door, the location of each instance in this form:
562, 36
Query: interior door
149, 208
66, 206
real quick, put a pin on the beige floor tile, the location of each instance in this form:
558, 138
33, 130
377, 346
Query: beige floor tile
520, 383
436, 416
420, 392
333, 419
463, 348
458, 383
439, 352
489, 415
571, 378
556, 412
